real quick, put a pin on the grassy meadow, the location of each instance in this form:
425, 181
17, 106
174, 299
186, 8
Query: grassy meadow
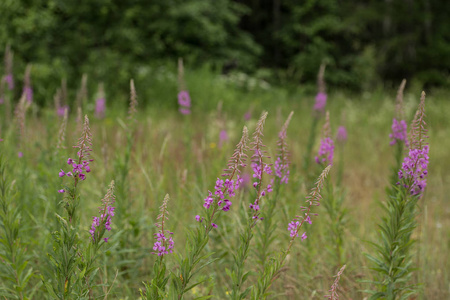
165, 152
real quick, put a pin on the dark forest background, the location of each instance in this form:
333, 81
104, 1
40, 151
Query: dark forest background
363, 43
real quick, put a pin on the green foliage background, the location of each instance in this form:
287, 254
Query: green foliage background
364, 43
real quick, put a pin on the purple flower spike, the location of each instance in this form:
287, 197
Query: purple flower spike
321, 101
60, 111
326, 152
10, 81
28, 92
184, 100
247, 115
341, 135
223, 137
61, 191
398, 134
415, 170
100, 107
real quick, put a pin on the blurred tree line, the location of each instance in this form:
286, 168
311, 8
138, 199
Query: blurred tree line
362, 42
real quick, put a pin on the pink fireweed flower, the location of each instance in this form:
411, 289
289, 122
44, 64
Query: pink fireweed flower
399, 126
20, 154
9, 79
304, 236
106, 211
414, 170
61, 191
399, 129
321, 101
326, 148
164, 242
223, 137
326, 152
226, 189
321, 97
100, 107
415, 166
341, 135
248, 115
81, 166
184, 100
281, 164
60, 110
28, 92
259, 167
313, 199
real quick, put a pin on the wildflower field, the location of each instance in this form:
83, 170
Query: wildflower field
217, 190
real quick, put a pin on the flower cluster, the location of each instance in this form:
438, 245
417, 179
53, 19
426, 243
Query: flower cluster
106, 213
415, 170
9, 79
399, 129
281, 170
313, 199
321, 101
292, 227
281, 165
341, 135
258, 174
100, 107
184, 100
78, 170
163, 245
326, 151
61, 110
164, 242
105, 220
259, 167
81, 166
223, 188
223, 137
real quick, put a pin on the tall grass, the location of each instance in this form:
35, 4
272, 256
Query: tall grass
238, 243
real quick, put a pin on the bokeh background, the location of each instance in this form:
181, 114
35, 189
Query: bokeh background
365, 44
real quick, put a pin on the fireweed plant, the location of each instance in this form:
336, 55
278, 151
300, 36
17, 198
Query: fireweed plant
155, 289
261, 168
215, 204
398, 136
273, 268
184, 100
15, 272
333, 205
72, 261
281, 177
325, 154
318, 111
392, 260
